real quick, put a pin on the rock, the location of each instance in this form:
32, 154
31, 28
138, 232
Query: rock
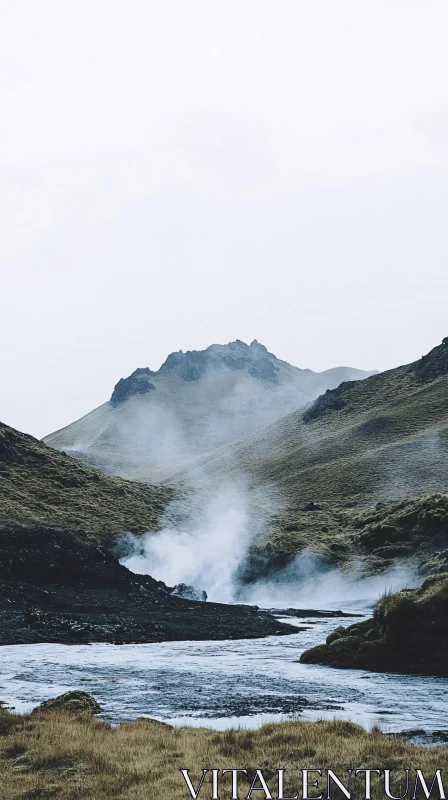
261, 563
332, 400
60, 586
193, 364
189, 593
434, 364
137, 383
75, 701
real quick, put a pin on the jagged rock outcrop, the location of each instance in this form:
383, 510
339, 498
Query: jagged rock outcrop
434, 364
236, 356
332, 400
137, 383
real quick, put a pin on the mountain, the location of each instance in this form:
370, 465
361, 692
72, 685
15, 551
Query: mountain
40, 486
376, 442
382, 437
156, 422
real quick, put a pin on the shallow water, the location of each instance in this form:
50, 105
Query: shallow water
222, 684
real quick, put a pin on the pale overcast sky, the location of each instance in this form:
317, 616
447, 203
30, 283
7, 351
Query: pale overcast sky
183, 172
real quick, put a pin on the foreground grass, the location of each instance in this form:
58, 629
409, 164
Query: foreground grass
63, 755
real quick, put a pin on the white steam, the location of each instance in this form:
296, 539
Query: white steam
206, 538
205, 541
308, 583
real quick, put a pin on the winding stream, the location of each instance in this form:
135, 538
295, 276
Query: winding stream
223, 684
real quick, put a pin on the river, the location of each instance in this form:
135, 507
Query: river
224, 684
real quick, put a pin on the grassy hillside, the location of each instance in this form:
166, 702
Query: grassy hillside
41, 486
408, 633
377, 440
414, 531
380, 438
68, 755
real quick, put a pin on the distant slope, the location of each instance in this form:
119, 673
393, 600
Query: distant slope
366, 441
156, 422
40, 486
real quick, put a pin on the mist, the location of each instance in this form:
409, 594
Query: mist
308, 583
196, 403
205, 538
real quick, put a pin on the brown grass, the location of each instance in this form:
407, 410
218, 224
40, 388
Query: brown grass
65, 756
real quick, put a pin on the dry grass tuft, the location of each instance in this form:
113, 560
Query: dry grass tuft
69, 756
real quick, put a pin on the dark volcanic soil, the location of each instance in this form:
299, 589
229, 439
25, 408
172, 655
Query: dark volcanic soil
57, 587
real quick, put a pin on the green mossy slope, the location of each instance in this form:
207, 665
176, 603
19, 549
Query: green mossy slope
40, 486
407, 633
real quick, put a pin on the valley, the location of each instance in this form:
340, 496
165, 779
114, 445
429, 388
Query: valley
326, 508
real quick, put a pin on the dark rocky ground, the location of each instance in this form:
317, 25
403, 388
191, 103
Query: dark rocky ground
407, 633
56, 586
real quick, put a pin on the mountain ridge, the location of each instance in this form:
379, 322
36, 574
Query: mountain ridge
157, 421
355, 403
364, 444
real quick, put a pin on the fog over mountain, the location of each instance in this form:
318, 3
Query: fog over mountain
356, 479
377, 439
156, 422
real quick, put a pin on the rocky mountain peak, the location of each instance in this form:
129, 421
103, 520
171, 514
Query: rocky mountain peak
199, 400
193, 364
258, 346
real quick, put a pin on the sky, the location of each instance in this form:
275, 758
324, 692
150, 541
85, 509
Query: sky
175, 174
